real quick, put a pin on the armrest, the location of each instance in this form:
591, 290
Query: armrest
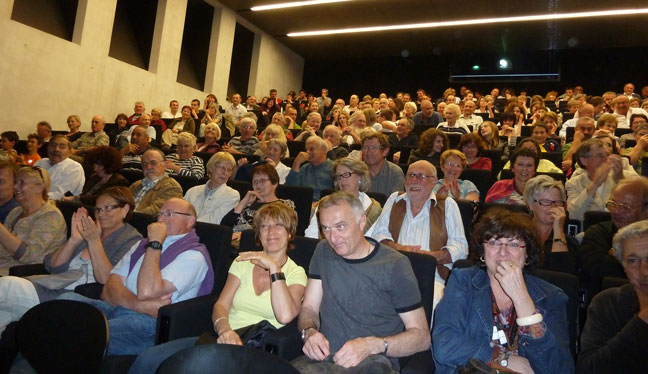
284, 342
184, 319
91, 290
27, 270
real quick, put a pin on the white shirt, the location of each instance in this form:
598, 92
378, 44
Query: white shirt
212, 205
66, 176
416, 230
236, 111
169, 115
312, 231
472, 119
623, 122
283, 171
569, 123
186, 272
149, 130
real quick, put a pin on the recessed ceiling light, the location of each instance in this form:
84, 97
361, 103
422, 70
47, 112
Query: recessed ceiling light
294, 4
479, 21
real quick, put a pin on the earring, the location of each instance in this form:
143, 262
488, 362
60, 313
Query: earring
481, 258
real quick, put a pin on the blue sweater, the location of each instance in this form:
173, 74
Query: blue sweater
317, 177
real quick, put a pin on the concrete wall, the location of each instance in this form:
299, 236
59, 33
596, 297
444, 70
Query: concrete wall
43, 77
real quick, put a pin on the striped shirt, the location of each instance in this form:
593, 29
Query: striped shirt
191, 167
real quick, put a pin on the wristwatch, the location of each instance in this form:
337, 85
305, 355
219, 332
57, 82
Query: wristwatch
304, 332
154, 245
504, 361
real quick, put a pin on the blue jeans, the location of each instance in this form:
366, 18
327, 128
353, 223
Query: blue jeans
130, 332
150, 360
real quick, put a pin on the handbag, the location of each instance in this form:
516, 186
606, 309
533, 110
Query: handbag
252, 336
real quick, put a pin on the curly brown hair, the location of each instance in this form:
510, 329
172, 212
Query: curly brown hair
106, 156
426, 143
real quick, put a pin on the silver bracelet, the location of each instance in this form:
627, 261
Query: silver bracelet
215, 322
386, 343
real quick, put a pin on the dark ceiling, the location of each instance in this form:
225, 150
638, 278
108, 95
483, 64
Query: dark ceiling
628, 31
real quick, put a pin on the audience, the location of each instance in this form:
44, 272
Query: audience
352, 176
215, 198
140, 142
247, 143
453, 163
432, 143
244, 300
264, 185
317, 172
8, 140
139, 111
337, 326
105, 164
183, 162
88, 256
7, 181
471, 145
34, 228
403, 137
452, 124
44, 130
498, 313
590, 190
333, 136
545, 197
616, 329
184, 124
97, 137
419, 221
74, 124
34, 142
509, 191
211, 138
169, 266
67, 175
157, 187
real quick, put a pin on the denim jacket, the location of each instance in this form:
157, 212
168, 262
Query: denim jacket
463, 324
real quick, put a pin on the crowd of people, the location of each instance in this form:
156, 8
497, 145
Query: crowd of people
388, 174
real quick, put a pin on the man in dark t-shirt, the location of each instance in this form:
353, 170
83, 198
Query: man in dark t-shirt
362, 306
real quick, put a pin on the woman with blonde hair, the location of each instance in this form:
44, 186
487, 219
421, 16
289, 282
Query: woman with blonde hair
453, 163
34, 228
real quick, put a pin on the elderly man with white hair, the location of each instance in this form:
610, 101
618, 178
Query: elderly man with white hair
317, 173
615, 336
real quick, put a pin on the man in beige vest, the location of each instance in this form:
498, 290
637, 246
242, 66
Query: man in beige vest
417, 221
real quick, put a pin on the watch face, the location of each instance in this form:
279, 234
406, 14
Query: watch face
504, 362
154, 245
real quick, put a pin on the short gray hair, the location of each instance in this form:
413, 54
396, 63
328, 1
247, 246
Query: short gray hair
356, 166
320, 142
634, 230
338, 197
248, 120
541, 183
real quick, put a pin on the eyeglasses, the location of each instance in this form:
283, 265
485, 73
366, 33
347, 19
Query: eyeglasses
257, 182
452, 165
107, 208
420, 177
510, 245
371, 147
346, 175
547, 202
621, 207
248, 127
170, 214
634, 262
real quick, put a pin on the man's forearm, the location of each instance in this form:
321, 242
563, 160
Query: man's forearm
404, 344
150, 284
115, 293
308, 318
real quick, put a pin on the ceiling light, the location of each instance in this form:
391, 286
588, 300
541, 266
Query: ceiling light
504, 64
294, 4
480, 21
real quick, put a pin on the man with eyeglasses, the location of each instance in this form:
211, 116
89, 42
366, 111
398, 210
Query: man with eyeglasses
156, 187
584, 131
386, 177
615, 335
628, 203
247, 143
66, 174
418, 221
317, 172
169, 266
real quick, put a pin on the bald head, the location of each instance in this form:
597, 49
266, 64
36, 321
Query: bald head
586, 110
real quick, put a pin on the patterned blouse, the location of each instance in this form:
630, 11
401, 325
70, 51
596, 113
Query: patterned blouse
191, 167
40, 233
465, 187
